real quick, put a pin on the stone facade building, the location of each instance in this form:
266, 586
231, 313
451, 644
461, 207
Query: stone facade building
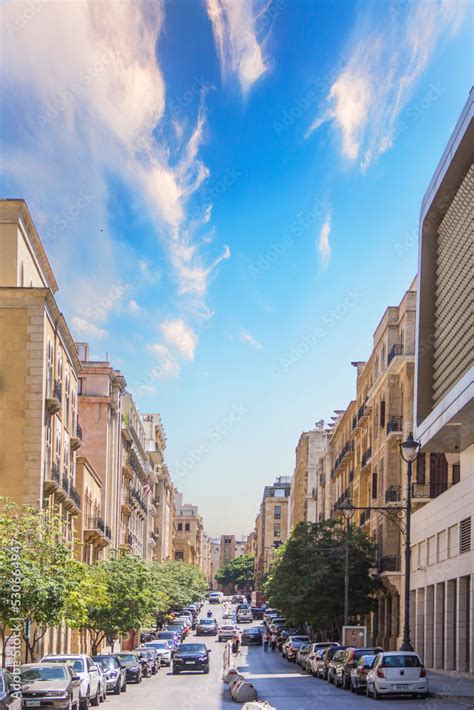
309, 454
188, 533
271, 525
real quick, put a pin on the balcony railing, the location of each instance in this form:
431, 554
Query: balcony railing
354, 421
396, 349
107, 532
52, 473
366, 456
364, 516
65, 482
428, 490
346, 449
389, 563
393, 494
360, 412
96, 523
74, 496
137, 497
53, 396
395, 424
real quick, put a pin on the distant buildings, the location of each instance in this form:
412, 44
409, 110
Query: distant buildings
271, 525
188, 533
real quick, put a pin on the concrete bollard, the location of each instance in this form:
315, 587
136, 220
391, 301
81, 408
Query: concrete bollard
229, 674
243, 691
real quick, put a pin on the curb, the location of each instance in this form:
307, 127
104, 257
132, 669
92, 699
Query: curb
466, 700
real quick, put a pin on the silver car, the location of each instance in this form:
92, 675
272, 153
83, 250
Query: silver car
54, 685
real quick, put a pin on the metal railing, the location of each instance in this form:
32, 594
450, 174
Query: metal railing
55, 389
107, 532
74, 496
347, 448
428, 490
394, 424
65, 482
96, 523
393, 494
351, 476
360, 412
389, 563
395, 350
52, 472
364, 516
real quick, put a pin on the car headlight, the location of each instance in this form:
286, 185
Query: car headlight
57, 694
203, 658
112, 674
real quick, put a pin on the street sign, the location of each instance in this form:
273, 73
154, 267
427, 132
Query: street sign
355, 636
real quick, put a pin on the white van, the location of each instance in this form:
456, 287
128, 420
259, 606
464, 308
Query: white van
215, 597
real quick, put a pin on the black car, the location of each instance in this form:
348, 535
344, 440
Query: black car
114, 672
257, 612
191, 657
133, 668
251, 637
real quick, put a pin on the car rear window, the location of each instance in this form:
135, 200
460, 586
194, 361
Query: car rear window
128, 657
396, 661
166, 634
76, 663
106, 661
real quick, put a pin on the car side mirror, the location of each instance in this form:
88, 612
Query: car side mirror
93, 667
209, 650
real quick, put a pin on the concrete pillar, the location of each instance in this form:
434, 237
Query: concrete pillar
429, 626
462, 617
420, 623
413, 625
450, 626
438, 635
395, 621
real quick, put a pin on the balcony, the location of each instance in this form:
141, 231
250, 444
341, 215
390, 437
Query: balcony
389, 563
52, 478
396, 349
393, 495
136, 498
365, 516
366, 456
127, 503
76, 438
53, 396
395, 425
346, 450
427, 491
95, 532
74, 496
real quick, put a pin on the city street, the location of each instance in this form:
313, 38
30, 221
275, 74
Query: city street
283, 684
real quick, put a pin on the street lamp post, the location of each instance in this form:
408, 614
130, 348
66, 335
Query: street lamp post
409, 453
348, 513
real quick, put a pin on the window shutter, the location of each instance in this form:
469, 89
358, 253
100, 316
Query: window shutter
456, 473
421, 468
374, 485
465, 535
382, 414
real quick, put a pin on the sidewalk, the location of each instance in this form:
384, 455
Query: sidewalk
446, 687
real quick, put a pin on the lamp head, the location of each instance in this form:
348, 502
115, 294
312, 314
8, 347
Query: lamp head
409, 448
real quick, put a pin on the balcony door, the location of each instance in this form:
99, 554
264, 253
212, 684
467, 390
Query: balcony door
438, 474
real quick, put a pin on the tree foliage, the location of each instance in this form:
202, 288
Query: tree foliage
306, 581
239, 572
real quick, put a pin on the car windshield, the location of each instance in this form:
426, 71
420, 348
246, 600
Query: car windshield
192, 648
167, 634
158, 645
401, 661
128, 657
205, 622
299, 639
28, 675
106, 661
367, 661
76, 663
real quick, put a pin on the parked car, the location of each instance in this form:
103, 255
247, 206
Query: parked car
270, 614
397, 673
191, 657
302, 653
133, 668
278, 622
283, 635
146, 662
179, 629
349, 660
334, 664
114, 673
163, 649
291, 646
251, 636
215, 597
244, 615
53, 684
153, 657
226, 632
359, 674
323, 665
316, 654
10, 699
238, 599
257, 612
206, 627
169, 636
84, 667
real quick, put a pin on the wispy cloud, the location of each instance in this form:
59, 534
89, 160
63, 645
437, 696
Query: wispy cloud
180, 337
133, 308
240, 51
323, 245
167, 364
96, 110
386, 60
249, 339
85, 328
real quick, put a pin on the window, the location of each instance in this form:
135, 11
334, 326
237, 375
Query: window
50, 358
382, 414
453, 541
279, 493
187, 527
277, 512
276, 530
374, 485
421, 468
180, 526
179, 556
441, 554
60, 365
431, 550
456, 473
465, 535
79, 386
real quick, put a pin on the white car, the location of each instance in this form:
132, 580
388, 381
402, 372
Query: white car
86, 669
397, 673
244, 615
163, 650
226, 632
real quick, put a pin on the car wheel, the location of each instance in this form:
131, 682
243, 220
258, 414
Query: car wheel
367, 690
423, 696
377, 695
117, 688
84, 703
124, 686
206, 671
96, 699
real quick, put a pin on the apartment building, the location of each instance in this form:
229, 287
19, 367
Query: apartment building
91, 531
39, 436
188, 531
442, 576
309, 467
101, 393
227, 549
271, 526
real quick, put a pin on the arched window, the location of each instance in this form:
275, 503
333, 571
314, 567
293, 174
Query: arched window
60, 365
180, 526
187, 527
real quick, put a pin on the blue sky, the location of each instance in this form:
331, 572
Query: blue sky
229, 193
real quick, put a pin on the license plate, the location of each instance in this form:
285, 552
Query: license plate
190, 663
399, 686
33, 703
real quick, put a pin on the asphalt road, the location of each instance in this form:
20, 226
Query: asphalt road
283, 684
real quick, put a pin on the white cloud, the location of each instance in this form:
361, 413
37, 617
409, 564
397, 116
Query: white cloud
249, 339
385, 64
323, 245
167, 365
133, 307
88, 329
180, 337
235, 34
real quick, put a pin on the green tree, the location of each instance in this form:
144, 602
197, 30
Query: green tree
178, 584
238, 572
36, 570
306, 581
